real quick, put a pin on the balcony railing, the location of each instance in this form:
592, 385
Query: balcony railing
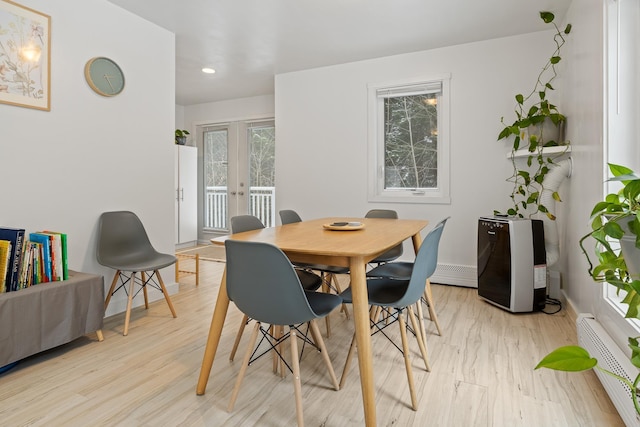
262, 203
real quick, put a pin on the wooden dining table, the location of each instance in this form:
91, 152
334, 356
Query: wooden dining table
310, 242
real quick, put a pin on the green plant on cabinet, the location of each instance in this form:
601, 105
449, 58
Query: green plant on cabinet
181, 136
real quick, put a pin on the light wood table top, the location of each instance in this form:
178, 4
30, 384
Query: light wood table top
310, 242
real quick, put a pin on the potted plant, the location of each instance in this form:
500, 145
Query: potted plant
538, 124
615, 227
181, 136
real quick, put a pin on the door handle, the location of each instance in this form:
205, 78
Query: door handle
241, 193
233, 193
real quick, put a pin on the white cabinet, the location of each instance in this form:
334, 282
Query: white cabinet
186, 193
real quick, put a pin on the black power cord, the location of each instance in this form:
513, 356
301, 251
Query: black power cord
553, 302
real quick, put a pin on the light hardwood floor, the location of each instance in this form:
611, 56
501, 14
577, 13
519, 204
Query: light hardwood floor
482, 373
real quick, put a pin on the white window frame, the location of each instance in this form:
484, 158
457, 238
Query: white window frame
376, 190
619, 116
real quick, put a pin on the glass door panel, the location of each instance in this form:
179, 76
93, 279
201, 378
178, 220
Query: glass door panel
262, 138
216, 165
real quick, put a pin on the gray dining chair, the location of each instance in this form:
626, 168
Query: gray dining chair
396, 251
327, 272
124, 246
402, 270
270, 292
394, 296
309, 280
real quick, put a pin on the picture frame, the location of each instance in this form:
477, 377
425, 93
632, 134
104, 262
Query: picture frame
25, 56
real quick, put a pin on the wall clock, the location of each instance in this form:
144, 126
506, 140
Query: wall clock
104, 76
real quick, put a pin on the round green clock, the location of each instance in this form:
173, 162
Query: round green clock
104, 76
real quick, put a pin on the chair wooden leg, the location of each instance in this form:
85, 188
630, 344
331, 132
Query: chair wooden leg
347, 362
127, 315
143, 276
428, 296
373, 316
317, 337
197, 269
326, 281
407, 360
245, 320
421, 342
423, 329
243, 368
177, 269
297, 387
113, 286
283, 368
344, 308
166, 294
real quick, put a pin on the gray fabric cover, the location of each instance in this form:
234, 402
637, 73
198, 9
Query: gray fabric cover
49, 314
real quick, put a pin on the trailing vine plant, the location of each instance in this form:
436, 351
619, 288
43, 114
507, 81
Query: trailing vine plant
528, 132
607, 220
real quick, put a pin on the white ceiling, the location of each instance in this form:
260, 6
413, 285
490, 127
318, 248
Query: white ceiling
249, 41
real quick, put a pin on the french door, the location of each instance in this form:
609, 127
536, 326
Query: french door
239, 173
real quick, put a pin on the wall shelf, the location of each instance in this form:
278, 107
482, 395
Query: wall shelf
546, 151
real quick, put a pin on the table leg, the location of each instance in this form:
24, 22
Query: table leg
417, 241
215, 331
363, 337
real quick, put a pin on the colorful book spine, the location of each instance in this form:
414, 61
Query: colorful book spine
63, 244
16, 237
5, 252
44, 240
56, 258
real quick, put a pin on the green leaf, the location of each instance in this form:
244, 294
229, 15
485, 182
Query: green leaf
524, 123
506, 132
548, 85
519, 99
547, 17
617, 170
567, 30
542, 94
534, 109
556, 196
555, 59
613, 229
511, 212
635, 351
570, 358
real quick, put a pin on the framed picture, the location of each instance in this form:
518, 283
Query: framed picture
25, 56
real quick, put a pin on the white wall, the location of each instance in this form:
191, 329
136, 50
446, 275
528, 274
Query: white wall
231, 110
92, 154
584, 102
321, 120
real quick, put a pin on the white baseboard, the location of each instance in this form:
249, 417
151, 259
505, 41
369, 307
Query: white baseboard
455, 274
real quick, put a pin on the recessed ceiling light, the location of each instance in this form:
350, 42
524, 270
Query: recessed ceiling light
208, 70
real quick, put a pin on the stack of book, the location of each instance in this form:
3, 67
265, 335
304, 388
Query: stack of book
40, 258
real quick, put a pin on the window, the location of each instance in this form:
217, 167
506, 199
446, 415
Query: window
409, 141
622, 127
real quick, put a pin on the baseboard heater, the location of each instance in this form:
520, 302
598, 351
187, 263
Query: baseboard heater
593, 337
